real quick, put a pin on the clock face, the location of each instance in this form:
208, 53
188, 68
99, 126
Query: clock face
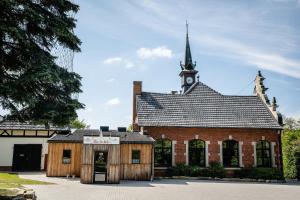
189, 80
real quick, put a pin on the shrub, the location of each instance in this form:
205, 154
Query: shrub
290, 146
215, 170
259, 173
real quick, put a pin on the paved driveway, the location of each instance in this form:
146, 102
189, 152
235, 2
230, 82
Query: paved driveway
66, 189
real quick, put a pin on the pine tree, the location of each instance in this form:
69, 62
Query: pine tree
32, 86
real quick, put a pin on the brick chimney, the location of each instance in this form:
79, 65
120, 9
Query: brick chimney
137, 90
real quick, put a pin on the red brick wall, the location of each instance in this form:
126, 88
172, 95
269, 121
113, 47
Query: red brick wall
247, 136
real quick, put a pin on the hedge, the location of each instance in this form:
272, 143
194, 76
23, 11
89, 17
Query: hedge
259, 173
290, 145
214, 170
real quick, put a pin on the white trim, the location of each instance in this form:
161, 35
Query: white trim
254, 154
230, 137
207, 154
220, 152
263, 138
241, 154
196, 137
186, 142
273, 155
162, 136
173, 152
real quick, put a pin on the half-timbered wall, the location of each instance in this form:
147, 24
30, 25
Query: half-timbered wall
7, 149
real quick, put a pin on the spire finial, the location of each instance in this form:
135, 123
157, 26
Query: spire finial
188, 62
187, 27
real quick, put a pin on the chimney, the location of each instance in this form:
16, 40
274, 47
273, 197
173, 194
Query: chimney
122, 129
174, 92
137, 90
274, 104
104, 128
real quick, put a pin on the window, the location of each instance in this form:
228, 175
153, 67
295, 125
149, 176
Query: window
66, 156
263, 154
136, 157
163, 153
230, 153
197, 153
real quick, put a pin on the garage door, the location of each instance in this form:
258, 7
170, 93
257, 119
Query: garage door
27, 157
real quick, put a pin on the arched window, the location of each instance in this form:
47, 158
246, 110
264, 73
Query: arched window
163, 153
263, 154
197, 153
230, 153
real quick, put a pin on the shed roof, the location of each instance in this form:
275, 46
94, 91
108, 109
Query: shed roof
125, 137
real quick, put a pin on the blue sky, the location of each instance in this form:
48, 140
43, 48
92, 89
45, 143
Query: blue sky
141, 40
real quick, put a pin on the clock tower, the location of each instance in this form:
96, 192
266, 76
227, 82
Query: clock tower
188, 72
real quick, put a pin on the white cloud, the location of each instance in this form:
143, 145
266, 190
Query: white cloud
129, 65
111, 80
113, 102
159, 52
119, 60
252, 55
114, 60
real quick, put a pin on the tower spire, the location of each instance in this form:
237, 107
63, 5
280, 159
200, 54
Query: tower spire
188, 62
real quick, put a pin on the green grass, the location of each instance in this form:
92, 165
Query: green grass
10, 180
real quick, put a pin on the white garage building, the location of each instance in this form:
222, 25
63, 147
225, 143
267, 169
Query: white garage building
23, 146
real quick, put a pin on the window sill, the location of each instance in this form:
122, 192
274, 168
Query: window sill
233, 168
161, 167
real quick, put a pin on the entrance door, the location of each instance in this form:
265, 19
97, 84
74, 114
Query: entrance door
27, 157
100, 167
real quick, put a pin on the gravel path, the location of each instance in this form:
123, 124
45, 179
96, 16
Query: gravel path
72, 189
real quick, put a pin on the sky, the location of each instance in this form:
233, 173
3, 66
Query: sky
144, 40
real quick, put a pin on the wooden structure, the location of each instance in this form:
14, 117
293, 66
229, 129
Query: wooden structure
55, 165
142, 171
113, 164
119, 165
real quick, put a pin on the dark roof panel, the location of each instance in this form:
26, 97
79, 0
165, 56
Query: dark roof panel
125, 137
202, 106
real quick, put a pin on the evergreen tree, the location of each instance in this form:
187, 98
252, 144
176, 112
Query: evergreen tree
32, 86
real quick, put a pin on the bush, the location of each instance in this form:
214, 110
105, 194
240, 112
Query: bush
290, 146
215, 170
259, 173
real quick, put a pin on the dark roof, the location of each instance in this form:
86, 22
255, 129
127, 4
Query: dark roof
13, 125
125, 137
201, 106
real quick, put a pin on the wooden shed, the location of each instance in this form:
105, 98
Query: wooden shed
106, 157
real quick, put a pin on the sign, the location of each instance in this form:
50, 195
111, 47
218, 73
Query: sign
101, 140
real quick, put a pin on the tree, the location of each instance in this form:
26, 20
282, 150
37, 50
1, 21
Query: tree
79, 124
290, 123
32, 86
130, 128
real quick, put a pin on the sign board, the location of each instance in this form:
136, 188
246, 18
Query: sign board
101, 140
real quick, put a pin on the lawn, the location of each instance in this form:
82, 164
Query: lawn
11, 180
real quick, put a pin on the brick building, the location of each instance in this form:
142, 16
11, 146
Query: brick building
199, 125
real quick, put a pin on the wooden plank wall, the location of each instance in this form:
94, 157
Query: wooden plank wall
142, 171
113, 162
55, 165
